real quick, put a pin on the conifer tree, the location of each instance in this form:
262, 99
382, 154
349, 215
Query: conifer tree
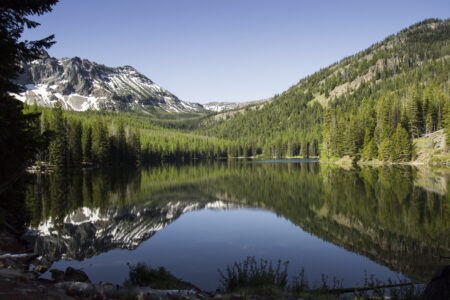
372, 149
326, 134
403, 140
58, 145
415, 114
404, 121
135, 146
75, 145
369, 150
100, 143
18, 139
304, 148
447, 127
121, 141
385, 149
87, 144
383, 119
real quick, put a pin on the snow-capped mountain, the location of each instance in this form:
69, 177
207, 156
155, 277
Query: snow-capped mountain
220, 106
90, 231
80, 85
224, 106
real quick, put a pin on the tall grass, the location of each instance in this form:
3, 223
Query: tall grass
251, 274
253, 277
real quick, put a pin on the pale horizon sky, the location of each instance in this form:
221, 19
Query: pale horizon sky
234, 50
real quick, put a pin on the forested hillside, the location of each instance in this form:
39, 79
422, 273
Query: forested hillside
106, 138
369, 105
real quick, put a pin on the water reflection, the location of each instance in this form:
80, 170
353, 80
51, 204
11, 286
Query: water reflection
395, 216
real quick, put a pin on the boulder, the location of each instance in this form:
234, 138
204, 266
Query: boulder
40, 269
57, 275
80, 289
108, 290
75, 275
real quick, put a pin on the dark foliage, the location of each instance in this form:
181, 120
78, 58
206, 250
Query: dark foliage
19, 137
250, 274
369, 105
143, 275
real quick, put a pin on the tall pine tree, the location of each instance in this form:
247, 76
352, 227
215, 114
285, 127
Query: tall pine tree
18, 140
58, 145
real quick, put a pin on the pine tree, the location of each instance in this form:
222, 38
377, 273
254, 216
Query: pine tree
292, 149
404, 121
414, 110
369, 150
351, 137
100, 143
18, 139
384, 123
121, 142
87, 144
58, 145
372, 150
429, 123
304, 148
45, 133
326, 134
447, 127
135, 146
403, 140
338, 136
385, 149
75, 145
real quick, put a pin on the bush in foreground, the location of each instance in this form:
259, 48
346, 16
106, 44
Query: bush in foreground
161, 279
264, 278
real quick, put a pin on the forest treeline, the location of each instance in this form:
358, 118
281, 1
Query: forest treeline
100, 138
370, 105
69, 142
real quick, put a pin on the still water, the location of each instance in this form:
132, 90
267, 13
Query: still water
392, 222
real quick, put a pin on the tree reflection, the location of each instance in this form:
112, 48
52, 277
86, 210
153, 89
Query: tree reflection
379, 212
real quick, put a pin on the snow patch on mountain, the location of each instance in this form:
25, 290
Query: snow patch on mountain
220, 106
224, 106
80, 85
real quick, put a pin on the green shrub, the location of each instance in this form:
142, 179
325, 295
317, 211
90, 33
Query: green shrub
143, 275
250, 274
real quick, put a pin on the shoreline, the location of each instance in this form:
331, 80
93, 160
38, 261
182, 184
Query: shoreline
18, 281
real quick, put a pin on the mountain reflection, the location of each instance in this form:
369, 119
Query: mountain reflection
396, 216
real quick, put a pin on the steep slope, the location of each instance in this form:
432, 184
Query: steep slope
80, 85
405, 77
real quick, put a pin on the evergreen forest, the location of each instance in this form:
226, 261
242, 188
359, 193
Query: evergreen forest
369, 106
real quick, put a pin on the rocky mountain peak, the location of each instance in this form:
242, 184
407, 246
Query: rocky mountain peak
79, 84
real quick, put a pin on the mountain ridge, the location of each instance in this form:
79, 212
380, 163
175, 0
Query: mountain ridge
80, 85
220, 106
358, 100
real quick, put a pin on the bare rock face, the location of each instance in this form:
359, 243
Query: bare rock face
79, 84
439, 286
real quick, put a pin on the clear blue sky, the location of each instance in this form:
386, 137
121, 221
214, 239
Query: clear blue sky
236, 50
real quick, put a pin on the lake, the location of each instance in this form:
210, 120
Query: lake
390, 222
